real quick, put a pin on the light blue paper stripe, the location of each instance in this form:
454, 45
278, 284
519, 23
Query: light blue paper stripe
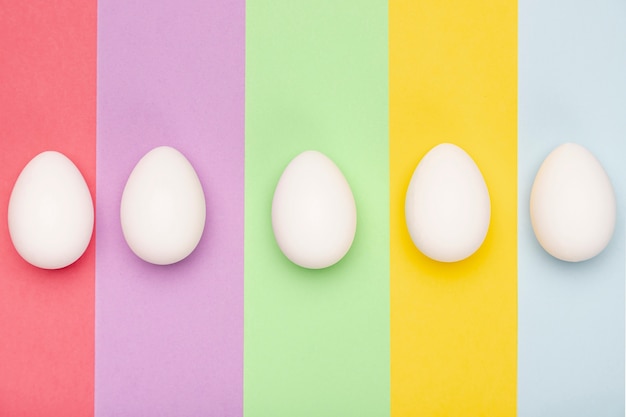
572, 88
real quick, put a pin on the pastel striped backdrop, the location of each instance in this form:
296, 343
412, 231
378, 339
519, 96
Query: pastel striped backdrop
242, 87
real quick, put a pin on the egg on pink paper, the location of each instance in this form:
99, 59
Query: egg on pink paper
50, 213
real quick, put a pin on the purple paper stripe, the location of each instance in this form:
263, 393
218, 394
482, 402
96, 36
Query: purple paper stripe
169, 339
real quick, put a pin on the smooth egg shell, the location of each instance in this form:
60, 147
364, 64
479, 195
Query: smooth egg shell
50, 213
572, 204
313, 212
447, 205
163, 209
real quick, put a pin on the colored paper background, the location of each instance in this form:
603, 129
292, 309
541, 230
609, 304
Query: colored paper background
320, 75
452, 77
47, 102
169, 339
317, 341
572, 61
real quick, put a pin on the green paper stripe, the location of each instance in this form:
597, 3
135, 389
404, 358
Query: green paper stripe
317, 341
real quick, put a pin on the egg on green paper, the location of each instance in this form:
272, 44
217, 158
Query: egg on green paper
313, 212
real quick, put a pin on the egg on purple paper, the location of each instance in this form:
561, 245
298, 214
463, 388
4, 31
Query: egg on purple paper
163, 209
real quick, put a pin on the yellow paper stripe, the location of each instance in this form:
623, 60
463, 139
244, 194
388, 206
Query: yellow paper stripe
453, 78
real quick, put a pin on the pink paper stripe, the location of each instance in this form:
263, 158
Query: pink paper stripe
47, 102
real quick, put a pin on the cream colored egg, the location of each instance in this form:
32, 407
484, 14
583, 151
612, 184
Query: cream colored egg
447, 206
313, 212
572, 204
163, 209
50, 213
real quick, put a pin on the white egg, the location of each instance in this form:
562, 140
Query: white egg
447, 205
313, 212
572, 204
163, 209
50, 212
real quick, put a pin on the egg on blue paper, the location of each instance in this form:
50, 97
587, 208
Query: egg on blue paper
313, 212
447, 206
163, 209
572, 204
50, 213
